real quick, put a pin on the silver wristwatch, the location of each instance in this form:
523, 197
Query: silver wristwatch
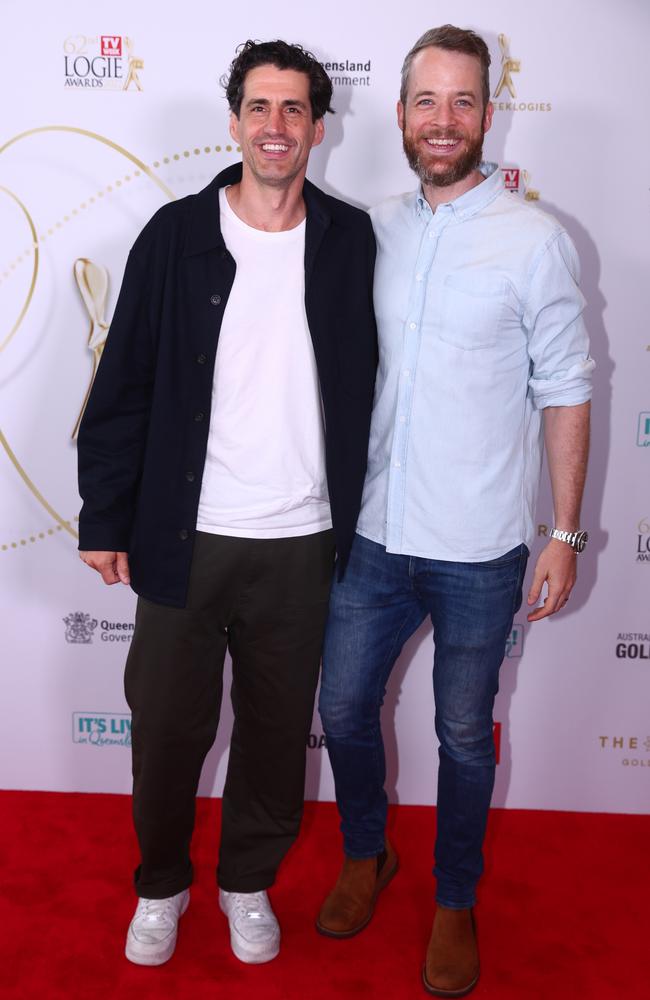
576, 539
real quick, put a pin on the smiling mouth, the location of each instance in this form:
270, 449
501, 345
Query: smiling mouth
443, 145
274, 147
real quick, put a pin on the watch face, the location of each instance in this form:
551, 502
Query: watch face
581, 540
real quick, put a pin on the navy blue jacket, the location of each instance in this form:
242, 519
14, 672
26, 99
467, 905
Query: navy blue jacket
143, 439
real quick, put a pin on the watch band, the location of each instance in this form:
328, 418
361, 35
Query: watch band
576, 539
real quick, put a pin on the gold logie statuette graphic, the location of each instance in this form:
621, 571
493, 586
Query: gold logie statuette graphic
508, 66
134, 65
92, 281
530, 194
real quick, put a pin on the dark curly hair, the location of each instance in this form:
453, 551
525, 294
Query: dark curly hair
284, 56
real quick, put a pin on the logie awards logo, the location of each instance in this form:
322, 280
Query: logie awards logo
517, 181
505, 97
101, 62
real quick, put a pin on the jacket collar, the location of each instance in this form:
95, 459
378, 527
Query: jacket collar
204, 229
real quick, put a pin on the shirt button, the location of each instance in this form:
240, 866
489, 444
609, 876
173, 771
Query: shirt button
183, 534
406, 372
402, 420
412, 326
215, 299
190, 476
398, 465
201, 359
418, 277
199, 416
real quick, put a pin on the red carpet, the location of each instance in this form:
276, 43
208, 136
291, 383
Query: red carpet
563, 909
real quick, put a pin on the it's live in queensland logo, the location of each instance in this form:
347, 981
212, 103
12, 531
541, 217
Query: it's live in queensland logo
101, 729
101, 62
515, 641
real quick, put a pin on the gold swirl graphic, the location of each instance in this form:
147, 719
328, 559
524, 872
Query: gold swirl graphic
34, 489
99, 138
32, 285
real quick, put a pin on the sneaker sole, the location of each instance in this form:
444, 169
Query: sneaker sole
142, 954
253, 957
382, 882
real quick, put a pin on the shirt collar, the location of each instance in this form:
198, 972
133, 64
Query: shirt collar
472, 201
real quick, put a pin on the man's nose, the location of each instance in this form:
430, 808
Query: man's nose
275, 121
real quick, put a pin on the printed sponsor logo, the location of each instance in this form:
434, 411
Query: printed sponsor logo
79, 627
101, 729
643, 541
506, 88
643, 431
101, 62
517, 181
633, 646
349, 72
515, 641
496, 733
632, 751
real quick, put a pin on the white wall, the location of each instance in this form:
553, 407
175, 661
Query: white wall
575, 728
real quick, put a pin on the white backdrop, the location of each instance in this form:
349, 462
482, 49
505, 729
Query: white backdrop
97, 131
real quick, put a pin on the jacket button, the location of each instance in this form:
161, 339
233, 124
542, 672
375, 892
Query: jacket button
215, 299
199, 416
190, 477
183, 534
201, 359
223, 254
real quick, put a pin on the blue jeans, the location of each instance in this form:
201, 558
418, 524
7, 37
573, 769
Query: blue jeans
378, 604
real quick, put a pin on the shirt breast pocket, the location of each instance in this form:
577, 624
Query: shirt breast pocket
471, 310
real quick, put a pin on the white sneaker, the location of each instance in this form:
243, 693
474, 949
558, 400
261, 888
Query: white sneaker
152, 932
254, 929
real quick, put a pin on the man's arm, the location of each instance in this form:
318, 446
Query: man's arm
566, 436
111, 438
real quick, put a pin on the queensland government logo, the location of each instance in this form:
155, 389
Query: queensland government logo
79, 627
517, 181
506, 86
643, 431
632, 751
101, 729
633, 646
349, 72
101, 62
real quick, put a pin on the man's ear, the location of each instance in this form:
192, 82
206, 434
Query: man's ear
400, 115
233, 126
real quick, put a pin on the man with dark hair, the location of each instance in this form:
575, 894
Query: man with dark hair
220, 483
482, 348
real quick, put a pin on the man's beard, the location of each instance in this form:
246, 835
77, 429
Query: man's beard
456, 170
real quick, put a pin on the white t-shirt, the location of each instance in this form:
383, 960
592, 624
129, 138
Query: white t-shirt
264, 474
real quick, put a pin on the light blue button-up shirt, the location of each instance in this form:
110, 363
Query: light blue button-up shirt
480, 327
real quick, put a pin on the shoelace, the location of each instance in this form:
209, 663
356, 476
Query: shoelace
252, 905
155, 911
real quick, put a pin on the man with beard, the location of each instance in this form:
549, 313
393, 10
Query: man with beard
482, 350
221, 482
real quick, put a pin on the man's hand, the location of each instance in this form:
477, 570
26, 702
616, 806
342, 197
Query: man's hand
113, 566
557, 567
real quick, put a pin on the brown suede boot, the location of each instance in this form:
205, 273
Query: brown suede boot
350, 904
451, 968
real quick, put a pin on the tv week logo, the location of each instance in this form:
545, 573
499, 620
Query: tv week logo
111, 45
511, 178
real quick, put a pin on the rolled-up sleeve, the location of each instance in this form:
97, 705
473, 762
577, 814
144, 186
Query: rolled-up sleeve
558, 344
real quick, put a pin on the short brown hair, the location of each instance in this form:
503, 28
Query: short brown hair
453, 40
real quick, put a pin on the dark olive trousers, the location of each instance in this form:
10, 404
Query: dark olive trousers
265, 601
